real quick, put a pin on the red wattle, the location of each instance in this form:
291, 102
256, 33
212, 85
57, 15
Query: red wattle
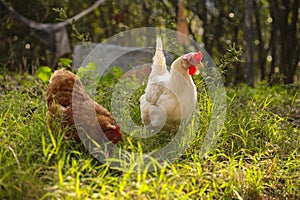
192, 70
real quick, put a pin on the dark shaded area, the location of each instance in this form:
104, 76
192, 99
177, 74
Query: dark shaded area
267, 31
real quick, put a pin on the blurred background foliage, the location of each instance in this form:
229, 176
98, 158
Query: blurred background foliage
270, 33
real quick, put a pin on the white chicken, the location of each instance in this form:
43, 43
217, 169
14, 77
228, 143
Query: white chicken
170, 97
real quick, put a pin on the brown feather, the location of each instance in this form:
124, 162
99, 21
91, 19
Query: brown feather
65, 95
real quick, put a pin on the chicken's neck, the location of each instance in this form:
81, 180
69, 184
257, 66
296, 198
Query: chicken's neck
182, 85
180, 80
178, 73
177, 66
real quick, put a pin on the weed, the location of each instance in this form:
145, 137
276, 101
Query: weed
257, 154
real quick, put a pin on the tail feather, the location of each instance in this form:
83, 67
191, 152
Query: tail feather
159, 46
159, 60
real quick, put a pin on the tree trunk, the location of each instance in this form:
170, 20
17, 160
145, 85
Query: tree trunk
289, 60
262, 53
249, 42
275, 31
284, 37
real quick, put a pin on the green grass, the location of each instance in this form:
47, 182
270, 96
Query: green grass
257, 155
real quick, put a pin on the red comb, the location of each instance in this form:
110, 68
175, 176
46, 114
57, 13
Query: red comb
198, 56
193, 58
117, 128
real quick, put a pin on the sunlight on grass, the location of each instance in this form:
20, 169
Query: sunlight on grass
256, 156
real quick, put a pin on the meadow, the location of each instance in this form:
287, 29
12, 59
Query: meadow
256, 157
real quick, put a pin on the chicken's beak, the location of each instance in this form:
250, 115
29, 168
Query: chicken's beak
120, 138
117, 140
198, 71
199, 66
119, 133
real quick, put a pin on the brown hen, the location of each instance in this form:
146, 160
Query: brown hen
68, 103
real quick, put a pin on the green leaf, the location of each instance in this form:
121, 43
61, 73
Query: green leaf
44, 73
65, 62
87, 72
118, 73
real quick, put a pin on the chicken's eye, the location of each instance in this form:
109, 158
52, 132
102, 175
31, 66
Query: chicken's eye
110, 133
